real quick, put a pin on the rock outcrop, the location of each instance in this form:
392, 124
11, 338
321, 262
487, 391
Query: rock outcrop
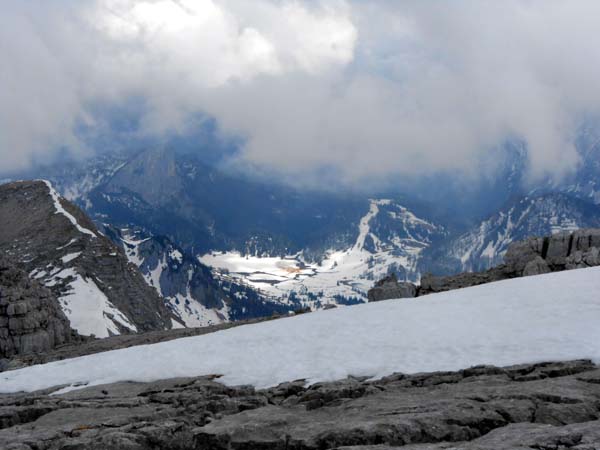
31, 320
561, 251
534, 256
390, 287
58, 245
542, 406
431, 284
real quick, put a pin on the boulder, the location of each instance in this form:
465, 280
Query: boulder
390, 288
558, 247
519, 254
536, 266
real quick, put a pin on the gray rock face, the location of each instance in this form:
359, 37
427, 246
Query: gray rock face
536, 266
431, 284
561, 251
519, 254
390, 288
56, 252
532, 406
31, 320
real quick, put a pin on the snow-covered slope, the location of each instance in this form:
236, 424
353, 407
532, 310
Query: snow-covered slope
523, 320
485, 245
390, 238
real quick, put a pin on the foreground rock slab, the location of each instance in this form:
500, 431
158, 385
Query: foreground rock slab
543, 406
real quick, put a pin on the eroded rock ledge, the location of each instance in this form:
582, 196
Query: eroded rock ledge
30, 316
543, 406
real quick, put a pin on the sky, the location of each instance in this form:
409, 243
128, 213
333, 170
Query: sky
368, 89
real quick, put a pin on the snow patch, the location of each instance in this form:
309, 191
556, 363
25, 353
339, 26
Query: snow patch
70, 257
176, 255
89, 311
72, 241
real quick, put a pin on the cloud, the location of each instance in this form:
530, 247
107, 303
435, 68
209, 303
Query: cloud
370, 89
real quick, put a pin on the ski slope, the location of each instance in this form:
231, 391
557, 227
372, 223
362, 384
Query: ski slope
543, 318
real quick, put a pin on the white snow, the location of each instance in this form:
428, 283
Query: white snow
70, 257
57, 274
89, 311
268, 266
153, 278
72, 241
525, 320
363, 226
193, 313
176, 255
60, 210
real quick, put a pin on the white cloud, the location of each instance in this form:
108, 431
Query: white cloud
369, 88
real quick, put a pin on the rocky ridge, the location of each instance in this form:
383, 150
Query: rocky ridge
534, 256
57, 245
542, 406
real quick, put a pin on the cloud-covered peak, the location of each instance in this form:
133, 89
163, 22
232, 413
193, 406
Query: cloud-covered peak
366, 88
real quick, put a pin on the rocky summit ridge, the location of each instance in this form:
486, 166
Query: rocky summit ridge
55, 243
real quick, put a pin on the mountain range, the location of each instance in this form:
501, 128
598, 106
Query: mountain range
221, 246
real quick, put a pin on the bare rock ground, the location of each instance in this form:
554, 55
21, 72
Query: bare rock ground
541, 406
